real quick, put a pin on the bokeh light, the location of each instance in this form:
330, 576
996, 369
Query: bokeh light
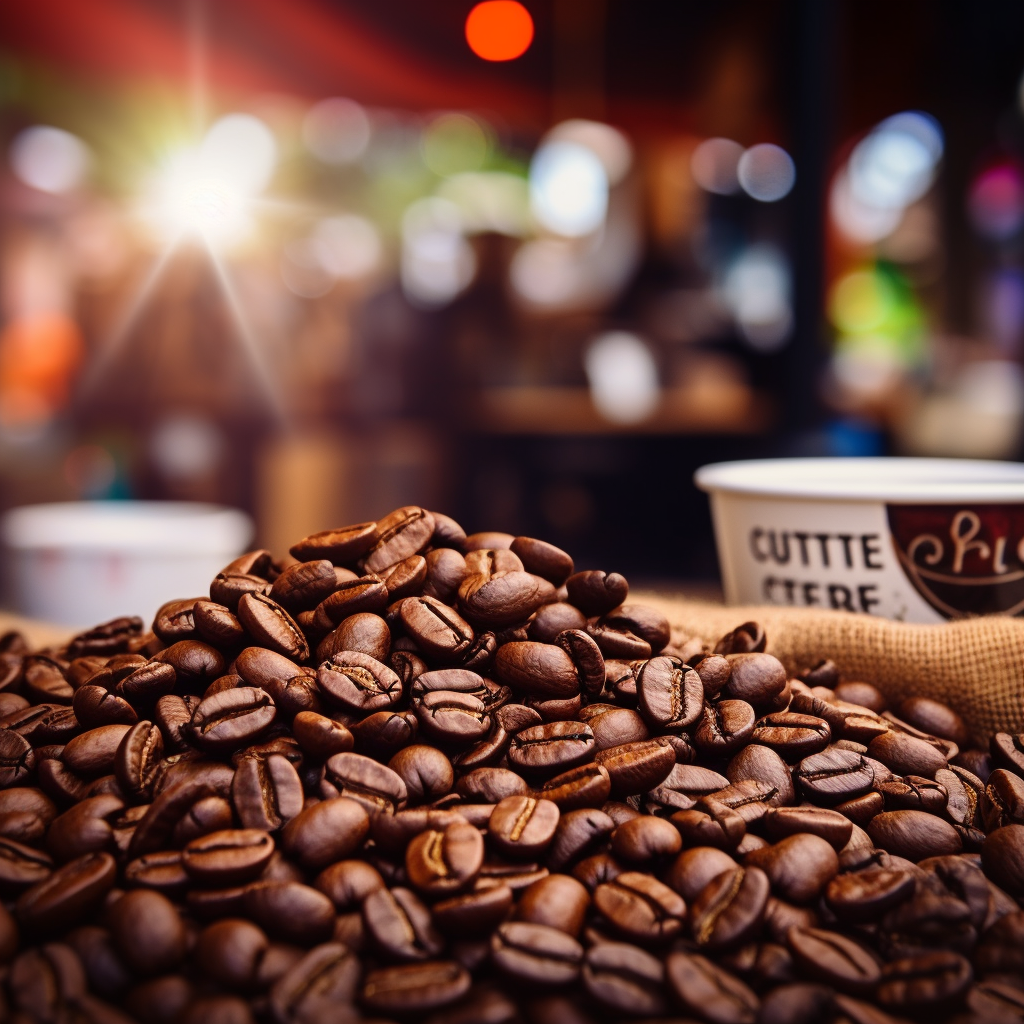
303, 271
766, 172
608, 144
995, 202
90, 471
568, 188
713, 165
895, 164
49, 159
859, 221
623, 377
186, 445
336, 131
437, 261
454, 143
757, 292
349, 246
498, 30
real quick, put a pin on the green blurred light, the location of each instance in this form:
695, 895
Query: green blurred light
453, 143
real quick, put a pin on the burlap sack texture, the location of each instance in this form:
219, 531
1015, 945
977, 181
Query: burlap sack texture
974, 665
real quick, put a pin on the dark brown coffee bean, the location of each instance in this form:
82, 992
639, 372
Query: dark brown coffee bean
671, 695
537, 670
304, 585
830, 825
209, 814
404, 532
913, 834
615, 637
17, 759
195, 664
319, 736
835, 959
21, 866
930, 980
1002, 856
369, 783
42, 723
587, 785
543, 559
147, 684
342, 546
1002, 802
84, 828
708, 991
714, 671
555, 618
865, 694
578, 834
290, 911
45, 983
362, 595
595, 592
44, 681
94, 706
635, 768
792, 736
217, 625
710, 823
399, 925
25, 814
93, 753
694, 868
68, 895
438, 630
625, 978
163, 871
645, 841
381, 734
536, 953
834, 776
490, 785
544, 750
426, 772
228, 858
271, 626
503, 598
414, 988
640, 907
724, 727
231, 719
148, 932
359, 682
227, 589
442, 863
136, 759
756, 678
453, 718
266, 792
860, 896
229, 953
906, 755
798, 867
683, 786
750, 798
317, 985
522, 827
730, 908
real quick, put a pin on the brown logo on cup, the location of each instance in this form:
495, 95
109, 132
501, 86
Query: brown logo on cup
962, 561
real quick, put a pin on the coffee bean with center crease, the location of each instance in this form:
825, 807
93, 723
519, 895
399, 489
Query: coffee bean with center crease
17, 759
266, 792
359, 682
537, 670
147, 684
931, 980
913, 835
536, 953
730, 908
441, 863
368, 782
404, 532
635, 768
363, 594
452, 718
759, 763
587, 785
724, 727
545, 750
792, 736
94, 706
338, 546
833, 776
709, 991
798, 866
272, 627
399, 925
641, 908
426, 772
830, 825
860, 896
68, 895
21, 866
93, 753
195, 664
436, 628
304, 585
836, 959
414, 988
314, 987
671, 695
290, 911
231, 719
906, 755
502, 599
522, 827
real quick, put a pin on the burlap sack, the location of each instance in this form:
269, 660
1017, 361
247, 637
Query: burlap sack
974, 665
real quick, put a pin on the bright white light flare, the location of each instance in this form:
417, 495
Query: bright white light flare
568, 189
48, 159
623, 377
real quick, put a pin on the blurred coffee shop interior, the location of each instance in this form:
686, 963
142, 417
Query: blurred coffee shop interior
529, 265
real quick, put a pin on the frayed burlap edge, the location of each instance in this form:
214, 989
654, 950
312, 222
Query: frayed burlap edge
974, 665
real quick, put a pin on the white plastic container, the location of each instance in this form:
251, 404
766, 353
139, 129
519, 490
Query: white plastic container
82, 563
920, 540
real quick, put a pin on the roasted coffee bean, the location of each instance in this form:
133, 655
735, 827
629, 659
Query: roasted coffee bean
929, 980
490, 785
399, 925
913, 835
724, 727
321, 737
147, 684
94, 706
906, 755
289, 911
382, 734
730, 908
835, 959
501, 599
683, 786
860, 896
266, 792
635, 768
359, 682
545, 750
271, 626
367, 782
552, 619
522, 827
864, 694
834, 776
616, 639
442, 863
1002, 802
792, 736
84, 828
625, 978
646, 841
756, 678
414, 988
830, 825
914, 793
694, 868
537, 670
17, 759
671, 695
228, 858
536, 953
543, 559
588, 785
426, 772
67, 895
710, 823
194, 663
436, 628
232, 718
341, 547
148, 932
1002, 856
798, 867
449, 717
640, 907
701, 986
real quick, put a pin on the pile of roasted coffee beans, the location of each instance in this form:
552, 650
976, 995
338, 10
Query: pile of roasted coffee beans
422, 776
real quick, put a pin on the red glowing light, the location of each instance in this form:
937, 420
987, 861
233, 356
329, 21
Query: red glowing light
499, 30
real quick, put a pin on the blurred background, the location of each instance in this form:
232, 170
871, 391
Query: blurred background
529, 264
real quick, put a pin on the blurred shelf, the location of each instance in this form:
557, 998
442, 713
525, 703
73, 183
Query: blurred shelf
569, 410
